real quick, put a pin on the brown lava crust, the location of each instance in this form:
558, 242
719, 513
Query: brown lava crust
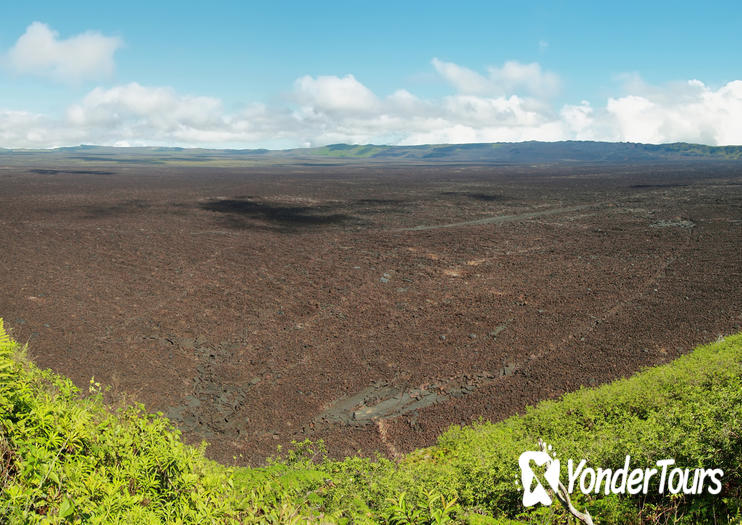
257, 306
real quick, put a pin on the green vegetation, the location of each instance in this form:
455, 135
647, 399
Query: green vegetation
66, 457
479, 153
348, 151
698, 150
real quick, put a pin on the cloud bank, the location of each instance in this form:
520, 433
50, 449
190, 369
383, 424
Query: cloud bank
512, 102
40, 51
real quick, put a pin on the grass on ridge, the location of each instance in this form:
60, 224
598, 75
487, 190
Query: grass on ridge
65, 457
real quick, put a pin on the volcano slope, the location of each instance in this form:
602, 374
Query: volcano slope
368, 306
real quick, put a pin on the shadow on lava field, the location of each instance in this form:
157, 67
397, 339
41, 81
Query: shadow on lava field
370, 307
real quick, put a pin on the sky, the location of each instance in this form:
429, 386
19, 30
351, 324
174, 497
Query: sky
297, 74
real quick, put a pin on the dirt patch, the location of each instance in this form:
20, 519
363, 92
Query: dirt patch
673, 223
500, 219
384, 401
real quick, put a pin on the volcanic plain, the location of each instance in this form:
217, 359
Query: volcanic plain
369, 306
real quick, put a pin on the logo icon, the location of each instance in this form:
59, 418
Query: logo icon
538, 494
623, 480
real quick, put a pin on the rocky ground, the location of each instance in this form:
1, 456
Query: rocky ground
364, 306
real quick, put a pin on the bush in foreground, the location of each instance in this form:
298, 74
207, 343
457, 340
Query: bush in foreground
66, 457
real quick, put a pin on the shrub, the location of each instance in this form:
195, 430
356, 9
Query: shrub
66, 457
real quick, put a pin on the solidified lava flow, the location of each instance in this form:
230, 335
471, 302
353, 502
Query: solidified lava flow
370, 307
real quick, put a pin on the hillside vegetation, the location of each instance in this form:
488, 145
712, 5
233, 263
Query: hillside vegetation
67, 457
498, 153
533, 152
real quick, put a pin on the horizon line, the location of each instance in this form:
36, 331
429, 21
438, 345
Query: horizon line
442, 144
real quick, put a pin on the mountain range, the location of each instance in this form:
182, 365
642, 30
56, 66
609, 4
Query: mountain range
531, 152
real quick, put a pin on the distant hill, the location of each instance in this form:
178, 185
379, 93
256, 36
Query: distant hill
535, 152
487, 153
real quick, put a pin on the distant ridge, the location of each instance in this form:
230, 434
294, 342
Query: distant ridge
534, 152
531, 152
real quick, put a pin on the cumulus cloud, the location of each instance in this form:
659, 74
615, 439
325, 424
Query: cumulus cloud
159, 115
690, 112
512, 78
463, 79
26, 129
335, 94
579, 119
329, 109
40, 51
152, 106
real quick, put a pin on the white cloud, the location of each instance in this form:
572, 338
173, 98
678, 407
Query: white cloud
329, 109
463, 79
141, 115
335, 94
689, 112
154, 105
512, 78
22, 128
40, 51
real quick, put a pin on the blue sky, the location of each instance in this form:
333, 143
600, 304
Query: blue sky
283, 74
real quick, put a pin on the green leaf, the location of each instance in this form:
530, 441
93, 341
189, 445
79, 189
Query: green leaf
66, 508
